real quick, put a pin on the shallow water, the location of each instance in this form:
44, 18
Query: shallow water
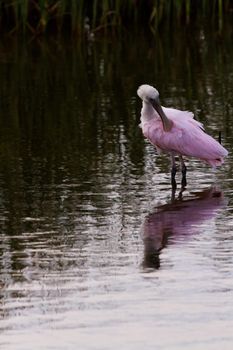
96, 251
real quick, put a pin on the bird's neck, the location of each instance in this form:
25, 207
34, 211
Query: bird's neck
148, 112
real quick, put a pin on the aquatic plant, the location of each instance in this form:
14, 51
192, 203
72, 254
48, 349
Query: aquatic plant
80, 17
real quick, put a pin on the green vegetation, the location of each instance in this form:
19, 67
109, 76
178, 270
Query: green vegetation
82, 17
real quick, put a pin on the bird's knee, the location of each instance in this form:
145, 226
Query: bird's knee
173, 171
184, 169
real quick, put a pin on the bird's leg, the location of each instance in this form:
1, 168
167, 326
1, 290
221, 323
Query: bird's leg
183, 170
173, 172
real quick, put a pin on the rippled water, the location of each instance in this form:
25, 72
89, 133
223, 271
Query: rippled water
96, 252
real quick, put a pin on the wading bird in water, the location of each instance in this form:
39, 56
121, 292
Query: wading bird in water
176, 133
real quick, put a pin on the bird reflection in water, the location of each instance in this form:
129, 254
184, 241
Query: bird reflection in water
180, 217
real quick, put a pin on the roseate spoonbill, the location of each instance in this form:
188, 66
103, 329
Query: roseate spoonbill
176, 132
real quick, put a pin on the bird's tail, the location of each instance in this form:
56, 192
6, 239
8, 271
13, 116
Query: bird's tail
215, 162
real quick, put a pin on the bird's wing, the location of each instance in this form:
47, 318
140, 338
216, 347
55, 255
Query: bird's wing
176, 115
186, 138
194, 142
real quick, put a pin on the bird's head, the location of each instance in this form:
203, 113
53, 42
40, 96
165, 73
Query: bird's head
148, 94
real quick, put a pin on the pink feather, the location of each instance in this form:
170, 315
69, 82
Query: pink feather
186, 137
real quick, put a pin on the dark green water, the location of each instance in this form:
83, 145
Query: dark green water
93, 252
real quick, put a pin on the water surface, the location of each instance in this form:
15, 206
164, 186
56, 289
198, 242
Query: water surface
96, 252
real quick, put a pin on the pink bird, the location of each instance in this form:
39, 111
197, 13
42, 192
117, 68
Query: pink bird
176, 133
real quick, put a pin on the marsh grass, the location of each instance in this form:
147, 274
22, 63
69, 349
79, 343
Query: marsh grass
80, 17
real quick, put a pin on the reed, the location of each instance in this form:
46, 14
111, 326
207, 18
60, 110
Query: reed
80, 17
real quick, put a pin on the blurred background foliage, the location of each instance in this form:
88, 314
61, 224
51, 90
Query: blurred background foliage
94, 17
